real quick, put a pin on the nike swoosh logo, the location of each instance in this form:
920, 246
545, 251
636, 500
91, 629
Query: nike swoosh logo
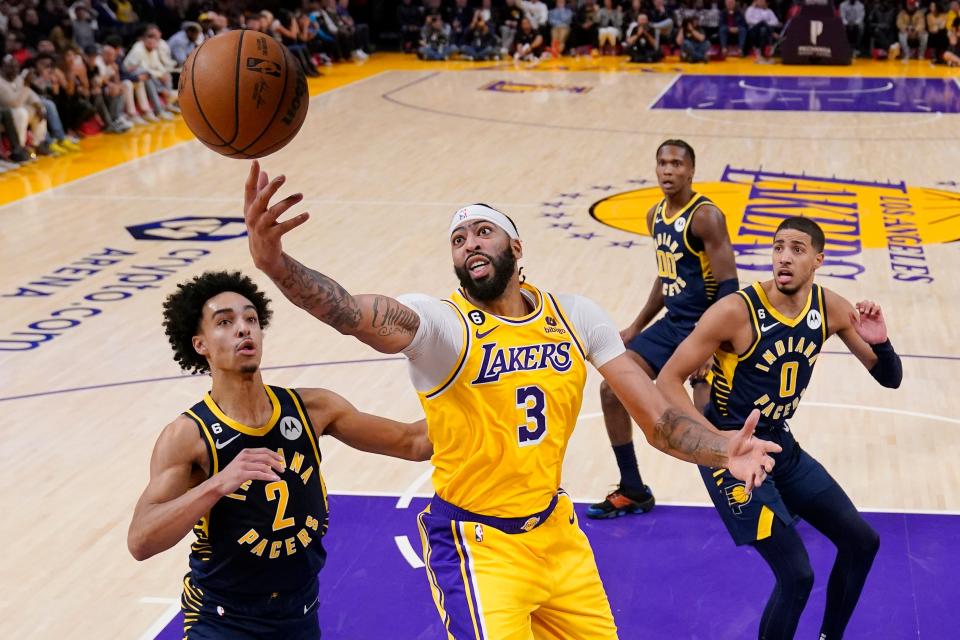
571, 518
307, 607
765, 327
481, 336
221, 445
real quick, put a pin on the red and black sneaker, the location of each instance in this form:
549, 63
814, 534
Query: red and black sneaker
622, 502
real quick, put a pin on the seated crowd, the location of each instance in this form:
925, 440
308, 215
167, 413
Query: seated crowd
648, 30
70, 71
75, 70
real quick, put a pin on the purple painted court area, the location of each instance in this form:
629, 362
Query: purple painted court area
812, 93
673, 573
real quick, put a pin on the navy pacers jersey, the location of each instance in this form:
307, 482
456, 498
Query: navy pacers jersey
773, 374
265, 536
688, 283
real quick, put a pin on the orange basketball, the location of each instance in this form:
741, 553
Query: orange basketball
243, 94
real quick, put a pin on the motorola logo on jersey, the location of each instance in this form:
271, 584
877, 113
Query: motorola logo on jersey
814, 319
290, 428
499, 361
680, 224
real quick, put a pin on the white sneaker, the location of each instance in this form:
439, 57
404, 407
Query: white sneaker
360, 55
166, 115
150, 117
137, 121
7, 166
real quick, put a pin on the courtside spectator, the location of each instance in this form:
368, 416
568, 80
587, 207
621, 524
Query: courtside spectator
854, 15
609, 27
733, 25
641, 44
762, 28
912, 30
560, 18
185, 41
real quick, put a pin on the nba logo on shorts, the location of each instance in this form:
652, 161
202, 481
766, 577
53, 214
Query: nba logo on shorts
478, 532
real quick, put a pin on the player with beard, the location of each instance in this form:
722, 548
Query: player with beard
499, 367
765, 341
242, 469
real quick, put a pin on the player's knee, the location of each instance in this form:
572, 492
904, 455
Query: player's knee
868, 543
608, 399
802, 582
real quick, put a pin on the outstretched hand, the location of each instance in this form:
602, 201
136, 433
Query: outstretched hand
748, 458
868, 322
264, 233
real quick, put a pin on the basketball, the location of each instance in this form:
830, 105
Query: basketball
243, 94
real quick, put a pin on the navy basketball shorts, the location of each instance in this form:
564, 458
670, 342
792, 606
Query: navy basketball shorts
656, 343
749, 516
271, 616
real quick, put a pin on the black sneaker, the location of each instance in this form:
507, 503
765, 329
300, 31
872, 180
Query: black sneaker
622, 502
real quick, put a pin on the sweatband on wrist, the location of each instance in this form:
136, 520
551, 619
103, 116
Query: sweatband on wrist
728, 286
888, 371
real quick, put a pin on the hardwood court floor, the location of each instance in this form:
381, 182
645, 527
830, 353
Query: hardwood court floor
567, 149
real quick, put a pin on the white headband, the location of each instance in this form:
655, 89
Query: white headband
483, 212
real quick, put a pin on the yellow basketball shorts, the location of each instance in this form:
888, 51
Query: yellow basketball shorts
492, 585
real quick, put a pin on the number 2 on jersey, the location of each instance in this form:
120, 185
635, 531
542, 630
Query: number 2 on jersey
534, 402
275, 490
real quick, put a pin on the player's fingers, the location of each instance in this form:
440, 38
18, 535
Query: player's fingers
278, 209
266, 476
750, 425
292, 223
263, 198
769, 463
262, 181
770, 447
264, 457
250, 186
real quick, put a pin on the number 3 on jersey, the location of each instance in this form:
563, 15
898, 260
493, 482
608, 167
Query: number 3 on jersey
534, 403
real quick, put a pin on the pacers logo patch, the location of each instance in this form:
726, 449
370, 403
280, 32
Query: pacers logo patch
738, 497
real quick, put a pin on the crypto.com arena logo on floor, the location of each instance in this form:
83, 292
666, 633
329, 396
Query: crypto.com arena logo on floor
854, 214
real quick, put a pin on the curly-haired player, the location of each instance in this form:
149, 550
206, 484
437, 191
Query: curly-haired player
242, 469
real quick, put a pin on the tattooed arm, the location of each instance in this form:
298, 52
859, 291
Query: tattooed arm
381, 322
665, 427
688, 436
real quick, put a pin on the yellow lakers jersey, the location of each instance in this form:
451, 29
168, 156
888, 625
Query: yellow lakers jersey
501, 421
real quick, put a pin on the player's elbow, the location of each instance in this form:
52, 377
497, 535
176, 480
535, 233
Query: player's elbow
138, 544
421, 449
137, 548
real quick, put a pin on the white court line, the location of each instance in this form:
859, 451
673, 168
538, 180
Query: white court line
902, 412
743, 85
922, 120
178, 145
664, 91
163, 620
408, 494
406, 550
